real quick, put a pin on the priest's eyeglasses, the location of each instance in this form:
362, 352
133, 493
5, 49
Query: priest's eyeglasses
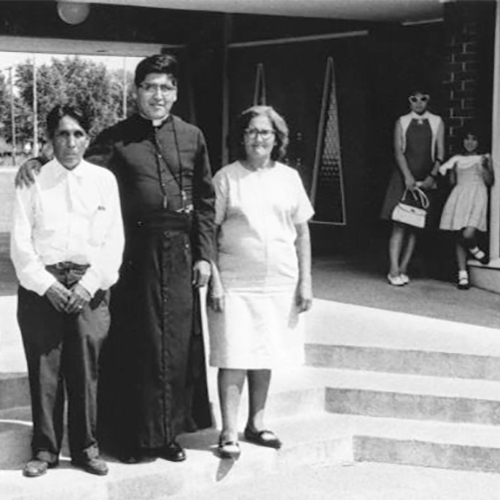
151, 88
253, 133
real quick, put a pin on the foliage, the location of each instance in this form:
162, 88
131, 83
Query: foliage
80, 82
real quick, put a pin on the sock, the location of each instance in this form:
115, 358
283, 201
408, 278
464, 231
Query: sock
463, 274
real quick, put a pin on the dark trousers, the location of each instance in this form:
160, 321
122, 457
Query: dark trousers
62, 352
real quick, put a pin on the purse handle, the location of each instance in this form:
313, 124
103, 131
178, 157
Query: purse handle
418, 195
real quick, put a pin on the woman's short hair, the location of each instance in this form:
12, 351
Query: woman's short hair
279, 126
419, 90
59, 112
159, 63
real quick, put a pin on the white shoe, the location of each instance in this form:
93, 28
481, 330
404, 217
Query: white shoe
395, 280
404, 278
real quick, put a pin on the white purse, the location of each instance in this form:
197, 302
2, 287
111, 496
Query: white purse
412, 212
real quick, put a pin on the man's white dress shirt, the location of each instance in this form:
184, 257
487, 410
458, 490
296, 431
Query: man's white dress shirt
68, 216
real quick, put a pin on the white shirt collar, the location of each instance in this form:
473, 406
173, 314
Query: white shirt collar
60, 170
424, 116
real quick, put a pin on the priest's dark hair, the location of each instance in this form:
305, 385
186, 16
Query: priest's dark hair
159, 63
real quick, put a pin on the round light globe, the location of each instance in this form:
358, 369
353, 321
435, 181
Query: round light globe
73, 12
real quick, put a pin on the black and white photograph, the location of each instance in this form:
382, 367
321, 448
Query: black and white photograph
250, 249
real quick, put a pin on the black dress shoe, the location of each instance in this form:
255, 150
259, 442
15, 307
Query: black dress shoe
263, 438
37, 468
173, 452
95, 465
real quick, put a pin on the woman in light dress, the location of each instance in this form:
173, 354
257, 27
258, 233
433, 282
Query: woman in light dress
465, 211
262, 277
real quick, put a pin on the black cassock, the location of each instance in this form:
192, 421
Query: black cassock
153, 378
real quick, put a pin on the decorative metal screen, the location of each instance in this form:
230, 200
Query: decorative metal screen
259, 96
327, 189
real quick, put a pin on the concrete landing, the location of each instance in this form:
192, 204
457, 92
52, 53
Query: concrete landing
304, 445
362, 481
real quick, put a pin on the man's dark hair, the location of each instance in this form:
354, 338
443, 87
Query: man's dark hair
160, 63
59, 112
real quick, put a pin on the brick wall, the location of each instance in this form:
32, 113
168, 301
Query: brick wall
468, 80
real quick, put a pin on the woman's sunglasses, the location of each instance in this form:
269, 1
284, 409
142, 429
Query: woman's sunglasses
420, 97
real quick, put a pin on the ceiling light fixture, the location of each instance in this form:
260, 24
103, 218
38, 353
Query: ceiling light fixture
73, 12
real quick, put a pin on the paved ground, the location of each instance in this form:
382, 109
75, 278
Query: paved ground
361, 281
361, 481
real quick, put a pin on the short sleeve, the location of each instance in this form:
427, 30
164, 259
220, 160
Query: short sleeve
221, 194
303, 208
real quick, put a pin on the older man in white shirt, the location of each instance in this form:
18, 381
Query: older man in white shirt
66, 244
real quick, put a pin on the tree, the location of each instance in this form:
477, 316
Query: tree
75, 81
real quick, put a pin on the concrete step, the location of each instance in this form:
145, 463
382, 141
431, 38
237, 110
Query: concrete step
422, 443
317, 440
15, 437
308, 440
356, 337
410, 396
14, 390
292, 394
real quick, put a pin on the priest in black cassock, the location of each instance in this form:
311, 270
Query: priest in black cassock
153, 377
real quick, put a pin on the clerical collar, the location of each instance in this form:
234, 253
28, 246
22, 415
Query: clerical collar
156, 123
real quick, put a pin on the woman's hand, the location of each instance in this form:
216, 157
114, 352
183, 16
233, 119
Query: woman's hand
428, 182
25, 176
216, 296
410, 182
304, 296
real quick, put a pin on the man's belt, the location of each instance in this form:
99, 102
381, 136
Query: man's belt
67, 266
67, 273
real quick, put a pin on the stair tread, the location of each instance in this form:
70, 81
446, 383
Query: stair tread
335, 323
425, 385
461, 434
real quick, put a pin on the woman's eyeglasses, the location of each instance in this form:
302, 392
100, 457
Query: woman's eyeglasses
254, 132
418, 98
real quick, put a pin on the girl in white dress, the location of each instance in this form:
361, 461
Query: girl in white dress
465, 211
262, 278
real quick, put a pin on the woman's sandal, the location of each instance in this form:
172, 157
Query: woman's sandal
395, 280
263, 438
479, 255
228, 449
463, 283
